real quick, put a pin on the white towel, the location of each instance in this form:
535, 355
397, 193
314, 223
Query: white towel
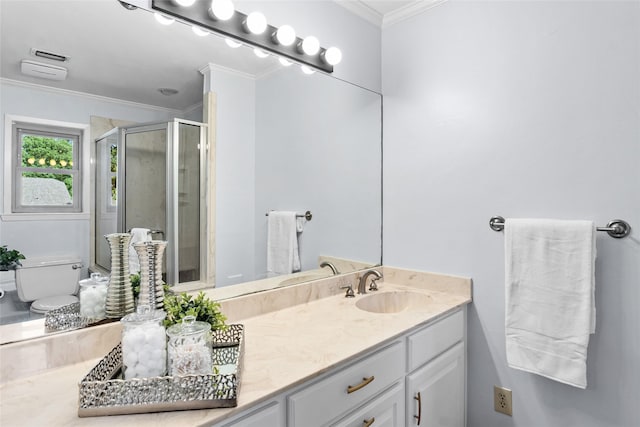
137, 235
283, 256
550, 306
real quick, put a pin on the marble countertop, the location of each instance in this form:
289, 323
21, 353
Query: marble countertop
283, 348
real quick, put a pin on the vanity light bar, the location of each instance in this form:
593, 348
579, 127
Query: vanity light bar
234, 28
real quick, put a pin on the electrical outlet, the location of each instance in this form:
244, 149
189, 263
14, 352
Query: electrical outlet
502, 400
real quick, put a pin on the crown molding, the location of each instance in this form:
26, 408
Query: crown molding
408, 11
59, 91
362, 9
215, 67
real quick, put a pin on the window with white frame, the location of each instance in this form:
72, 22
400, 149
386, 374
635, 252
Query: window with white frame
46, 168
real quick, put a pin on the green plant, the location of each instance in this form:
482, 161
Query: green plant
9, 258
180, 305
135, 285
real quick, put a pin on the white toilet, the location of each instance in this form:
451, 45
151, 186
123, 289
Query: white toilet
50, 282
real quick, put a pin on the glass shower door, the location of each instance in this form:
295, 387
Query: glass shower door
143, 160
189, 193
160, 174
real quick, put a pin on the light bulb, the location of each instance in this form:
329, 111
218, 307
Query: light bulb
163, 19
333, 55
286, 35
256, 23
232, 43
199, 31
310, 45
285, 62
185, 3
307, 70
221, 9
260, 53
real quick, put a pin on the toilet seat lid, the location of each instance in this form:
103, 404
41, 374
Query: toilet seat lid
49, 303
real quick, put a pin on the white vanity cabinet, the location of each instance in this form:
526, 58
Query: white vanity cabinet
420, 373
269, 415
435, 389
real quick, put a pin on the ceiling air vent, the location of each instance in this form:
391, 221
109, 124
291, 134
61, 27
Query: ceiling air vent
44, 71
49, 55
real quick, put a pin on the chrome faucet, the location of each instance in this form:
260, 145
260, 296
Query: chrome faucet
362, 285
331, 266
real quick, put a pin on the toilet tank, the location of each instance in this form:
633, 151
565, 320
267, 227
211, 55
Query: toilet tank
48, 276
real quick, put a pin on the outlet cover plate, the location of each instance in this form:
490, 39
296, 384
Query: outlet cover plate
502, 400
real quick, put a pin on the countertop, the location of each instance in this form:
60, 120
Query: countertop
283, 348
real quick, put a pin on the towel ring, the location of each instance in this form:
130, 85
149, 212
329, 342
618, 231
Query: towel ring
616, 228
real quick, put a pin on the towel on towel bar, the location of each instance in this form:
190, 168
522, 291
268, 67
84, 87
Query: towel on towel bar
550, 306
283, 256
137, 235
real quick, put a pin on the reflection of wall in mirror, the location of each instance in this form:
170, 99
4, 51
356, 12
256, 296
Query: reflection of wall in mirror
235, 176
327, 160
294, 142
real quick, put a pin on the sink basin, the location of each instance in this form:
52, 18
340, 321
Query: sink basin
393, 302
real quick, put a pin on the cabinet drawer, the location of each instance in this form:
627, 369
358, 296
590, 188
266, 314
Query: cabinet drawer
347, 388
386, 410
429, 342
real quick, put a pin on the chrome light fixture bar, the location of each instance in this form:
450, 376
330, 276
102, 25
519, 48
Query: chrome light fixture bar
236, 29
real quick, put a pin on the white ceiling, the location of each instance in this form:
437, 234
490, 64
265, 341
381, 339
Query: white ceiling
123, 54
115, 52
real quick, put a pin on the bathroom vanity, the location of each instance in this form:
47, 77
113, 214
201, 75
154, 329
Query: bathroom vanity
312, 358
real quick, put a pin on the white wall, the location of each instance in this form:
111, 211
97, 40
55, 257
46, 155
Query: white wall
520, 109
59, 237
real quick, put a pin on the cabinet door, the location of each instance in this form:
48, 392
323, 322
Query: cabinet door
435, 393
267, 416
386, 410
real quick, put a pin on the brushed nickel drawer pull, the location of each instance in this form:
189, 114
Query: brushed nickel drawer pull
367, 423
365, 381
419, 416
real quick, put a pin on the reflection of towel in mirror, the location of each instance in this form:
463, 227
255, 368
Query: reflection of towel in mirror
550, 309
283, 256
137, 235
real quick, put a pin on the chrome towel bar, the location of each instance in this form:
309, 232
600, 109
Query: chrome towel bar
616, 228
307, 215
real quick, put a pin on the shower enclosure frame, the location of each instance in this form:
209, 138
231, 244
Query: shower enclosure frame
172, 181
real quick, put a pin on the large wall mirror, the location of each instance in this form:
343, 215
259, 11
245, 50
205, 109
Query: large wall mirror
283, 140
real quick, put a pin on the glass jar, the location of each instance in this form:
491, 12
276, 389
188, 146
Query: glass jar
144, 344
93, 295
189, 348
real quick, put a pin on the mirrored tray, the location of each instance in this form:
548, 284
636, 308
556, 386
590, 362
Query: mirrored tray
104, 392
66, 318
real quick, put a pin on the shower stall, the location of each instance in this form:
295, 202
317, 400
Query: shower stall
154, 176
